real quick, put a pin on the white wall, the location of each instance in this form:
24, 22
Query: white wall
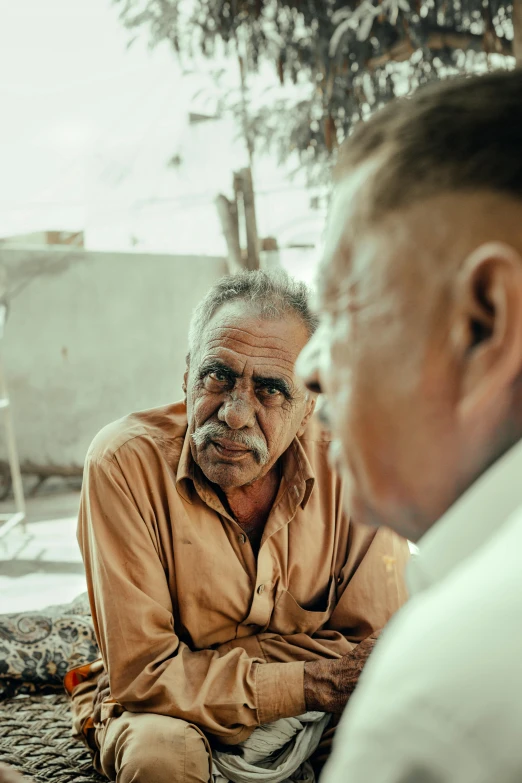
92, 336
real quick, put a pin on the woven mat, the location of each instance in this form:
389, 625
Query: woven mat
35, 738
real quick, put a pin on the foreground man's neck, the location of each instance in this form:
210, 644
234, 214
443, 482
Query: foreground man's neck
470, 523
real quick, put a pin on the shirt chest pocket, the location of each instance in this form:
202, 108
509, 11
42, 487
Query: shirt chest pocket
289, 617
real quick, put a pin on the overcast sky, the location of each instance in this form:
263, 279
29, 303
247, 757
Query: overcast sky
68, 85
87, 127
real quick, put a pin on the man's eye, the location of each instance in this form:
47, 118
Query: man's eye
217, 380
219, 375
271, 394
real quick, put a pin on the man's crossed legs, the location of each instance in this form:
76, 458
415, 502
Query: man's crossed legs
149, 748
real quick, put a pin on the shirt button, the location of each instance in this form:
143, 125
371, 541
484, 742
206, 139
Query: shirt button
261, 589
242, 538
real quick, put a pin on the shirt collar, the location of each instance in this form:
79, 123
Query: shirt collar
185, 472
469, 523
297, 472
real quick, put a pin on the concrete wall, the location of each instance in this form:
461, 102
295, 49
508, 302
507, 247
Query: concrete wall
92, 336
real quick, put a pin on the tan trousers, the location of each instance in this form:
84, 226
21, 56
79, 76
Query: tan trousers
130, 747
148, 748
144, 747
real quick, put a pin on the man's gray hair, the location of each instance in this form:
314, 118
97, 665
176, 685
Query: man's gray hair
272, 295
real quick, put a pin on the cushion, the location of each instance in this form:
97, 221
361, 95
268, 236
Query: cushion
38, 648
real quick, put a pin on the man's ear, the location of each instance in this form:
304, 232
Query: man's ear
487, 331
310, 406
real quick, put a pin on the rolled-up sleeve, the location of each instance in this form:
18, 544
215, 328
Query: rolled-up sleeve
280, 690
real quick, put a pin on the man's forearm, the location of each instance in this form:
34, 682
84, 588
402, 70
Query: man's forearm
278, 648
328, 684
332, 669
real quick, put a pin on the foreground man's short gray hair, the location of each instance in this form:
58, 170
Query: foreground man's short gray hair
272, 295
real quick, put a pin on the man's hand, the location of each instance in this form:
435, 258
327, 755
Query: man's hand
102, 692
328, 684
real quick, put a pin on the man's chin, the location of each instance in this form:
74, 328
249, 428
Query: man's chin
359, 512
401, 522
229, 476
356, 506
362, 512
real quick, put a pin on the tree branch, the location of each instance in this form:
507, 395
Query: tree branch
442, 38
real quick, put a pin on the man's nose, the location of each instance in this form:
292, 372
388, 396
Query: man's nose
307, 366
237, 413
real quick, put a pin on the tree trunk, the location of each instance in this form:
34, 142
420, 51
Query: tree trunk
227, 211
244, 179
231, 213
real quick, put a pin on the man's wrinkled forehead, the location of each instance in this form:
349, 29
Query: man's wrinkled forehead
349, 214
238, 333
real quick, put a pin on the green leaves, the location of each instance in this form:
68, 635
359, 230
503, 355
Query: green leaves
354, 54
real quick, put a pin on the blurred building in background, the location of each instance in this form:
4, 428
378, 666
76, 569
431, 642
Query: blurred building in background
39, 238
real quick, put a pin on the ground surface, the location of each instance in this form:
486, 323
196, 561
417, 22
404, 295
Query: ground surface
42, 565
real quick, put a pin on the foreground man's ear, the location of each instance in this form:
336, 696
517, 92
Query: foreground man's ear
487, 331
310, 407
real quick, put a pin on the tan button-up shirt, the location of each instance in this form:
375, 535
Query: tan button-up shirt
190, 624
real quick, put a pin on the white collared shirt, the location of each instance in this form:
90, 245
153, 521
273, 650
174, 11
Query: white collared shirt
440, 700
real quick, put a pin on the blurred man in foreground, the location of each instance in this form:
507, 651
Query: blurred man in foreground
228, 588
420, 355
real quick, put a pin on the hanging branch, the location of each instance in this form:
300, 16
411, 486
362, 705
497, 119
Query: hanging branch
354, 55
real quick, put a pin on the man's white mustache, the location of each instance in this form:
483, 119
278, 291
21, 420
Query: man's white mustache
210, 431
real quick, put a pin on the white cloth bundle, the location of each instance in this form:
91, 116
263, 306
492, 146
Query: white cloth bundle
274, 753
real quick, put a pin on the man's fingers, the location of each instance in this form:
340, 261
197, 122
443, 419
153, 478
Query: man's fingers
102, 688
100, 698
365, 648
102, 692
103, 682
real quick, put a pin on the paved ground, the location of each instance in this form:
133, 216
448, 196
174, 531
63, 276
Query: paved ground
42, 566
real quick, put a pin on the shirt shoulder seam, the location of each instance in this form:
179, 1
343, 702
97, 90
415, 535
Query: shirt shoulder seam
111, 454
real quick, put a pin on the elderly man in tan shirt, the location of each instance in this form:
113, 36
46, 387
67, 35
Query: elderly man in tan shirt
228, 587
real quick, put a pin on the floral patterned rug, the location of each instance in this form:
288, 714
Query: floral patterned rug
38, 648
